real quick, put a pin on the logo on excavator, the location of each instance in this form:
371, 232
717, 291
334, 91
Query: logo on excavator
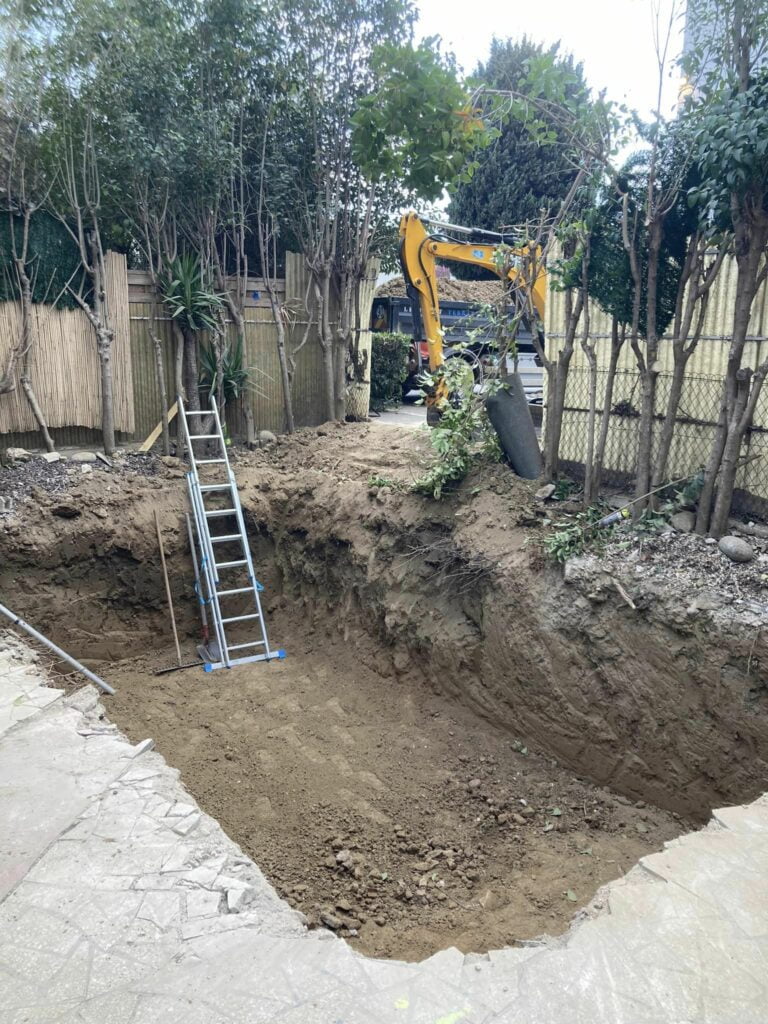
478, 254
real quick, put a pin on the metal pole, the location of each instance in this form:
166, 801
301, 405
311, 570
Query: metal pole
52, 647
167, 587
198, 586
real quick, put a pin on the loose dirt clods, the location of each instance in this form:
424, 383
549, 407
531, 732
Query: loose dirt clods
461, 747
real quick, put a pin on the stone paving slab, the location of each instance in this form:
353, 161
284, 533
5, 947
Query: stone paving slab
21, 692
125, 904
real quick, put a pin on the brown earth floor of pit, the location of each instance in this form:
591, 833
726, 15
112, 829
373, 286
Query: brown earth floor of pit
370, 799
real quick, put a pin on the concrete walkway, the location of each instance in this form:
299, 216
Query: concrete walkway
122, 903
405, 415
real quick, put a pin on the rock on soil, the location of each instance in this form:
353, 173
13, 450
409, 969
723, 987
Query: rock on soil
736, 549
683, 522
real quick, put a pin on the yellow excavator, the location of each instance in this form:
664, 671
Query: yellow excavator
419, 251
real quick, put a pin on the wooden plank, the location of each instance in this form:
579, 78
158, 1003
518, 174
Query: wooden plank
159, 429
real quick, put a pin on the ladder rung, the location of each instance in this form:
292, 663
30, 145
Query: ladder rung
226, 538
230, 565
215, 487
204, 437
220, 512
239, 647
237, 590
242, 618
193, 412
208, 462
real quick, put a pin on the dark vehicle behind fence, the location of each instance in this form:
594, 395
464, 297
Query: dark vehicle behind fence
464, 325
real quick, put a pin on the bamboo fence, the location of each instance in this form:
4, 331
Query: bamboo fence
65, 367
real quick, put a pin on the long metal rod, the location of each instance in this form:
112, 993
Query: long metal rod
198, 584
52, 647
167, 587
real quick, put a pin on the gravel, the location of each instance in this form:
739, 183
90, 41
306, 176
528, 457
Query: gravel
20, 480
688, 564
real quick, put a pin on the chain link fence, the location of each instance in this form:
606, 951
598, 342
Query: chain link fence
694, 430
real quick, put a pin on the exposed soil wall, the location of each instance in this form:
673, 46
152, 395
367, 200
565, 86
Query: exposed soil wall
665, 702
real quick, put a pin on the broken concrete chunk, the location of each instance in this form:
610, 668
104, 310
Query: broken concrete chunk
266, 437
736, 549
545, 492
50, 456
83, 457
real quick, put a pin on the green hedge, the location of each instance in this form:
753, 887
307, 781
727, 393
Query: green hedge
53, 259
389, 368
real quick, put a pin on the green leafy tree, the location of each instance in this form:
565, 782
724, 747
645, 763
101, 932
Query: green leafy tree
730, 106
516, 177
417, 129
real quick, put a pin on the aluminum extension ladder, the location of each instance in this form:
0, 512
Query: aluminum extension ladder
224, 576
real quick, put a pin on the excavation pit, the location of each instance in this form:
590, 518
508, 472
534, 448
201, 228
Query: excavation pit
457, 751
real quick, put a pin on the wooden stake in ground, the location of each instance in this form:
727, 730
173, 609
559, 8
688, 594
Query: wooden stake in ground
167, 588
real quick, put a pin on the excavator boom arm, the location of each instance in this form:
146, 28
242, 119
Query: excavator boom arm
418, 253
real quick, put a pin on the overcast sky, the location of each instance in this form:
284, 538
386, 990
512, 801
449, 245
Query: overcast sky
614, 39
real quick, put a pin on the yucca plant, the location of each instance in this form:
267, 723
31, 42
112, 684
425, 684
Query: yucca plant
234, 374
190, 302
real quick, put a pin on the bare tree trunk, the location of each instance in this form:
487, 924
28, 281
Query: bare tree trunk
107, 391
37, 412
322, 295
191, 375
750, 247
617, 342
670, 419
26, 343
282, 350
160, 368
285, 376
557, 380
340, 351
693, 290
648, 367
711, 469
741, 419
178, 363
590, 351
104, 338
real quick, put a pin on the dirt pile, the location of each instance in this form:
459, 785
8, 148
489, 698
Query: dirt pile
480, 292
